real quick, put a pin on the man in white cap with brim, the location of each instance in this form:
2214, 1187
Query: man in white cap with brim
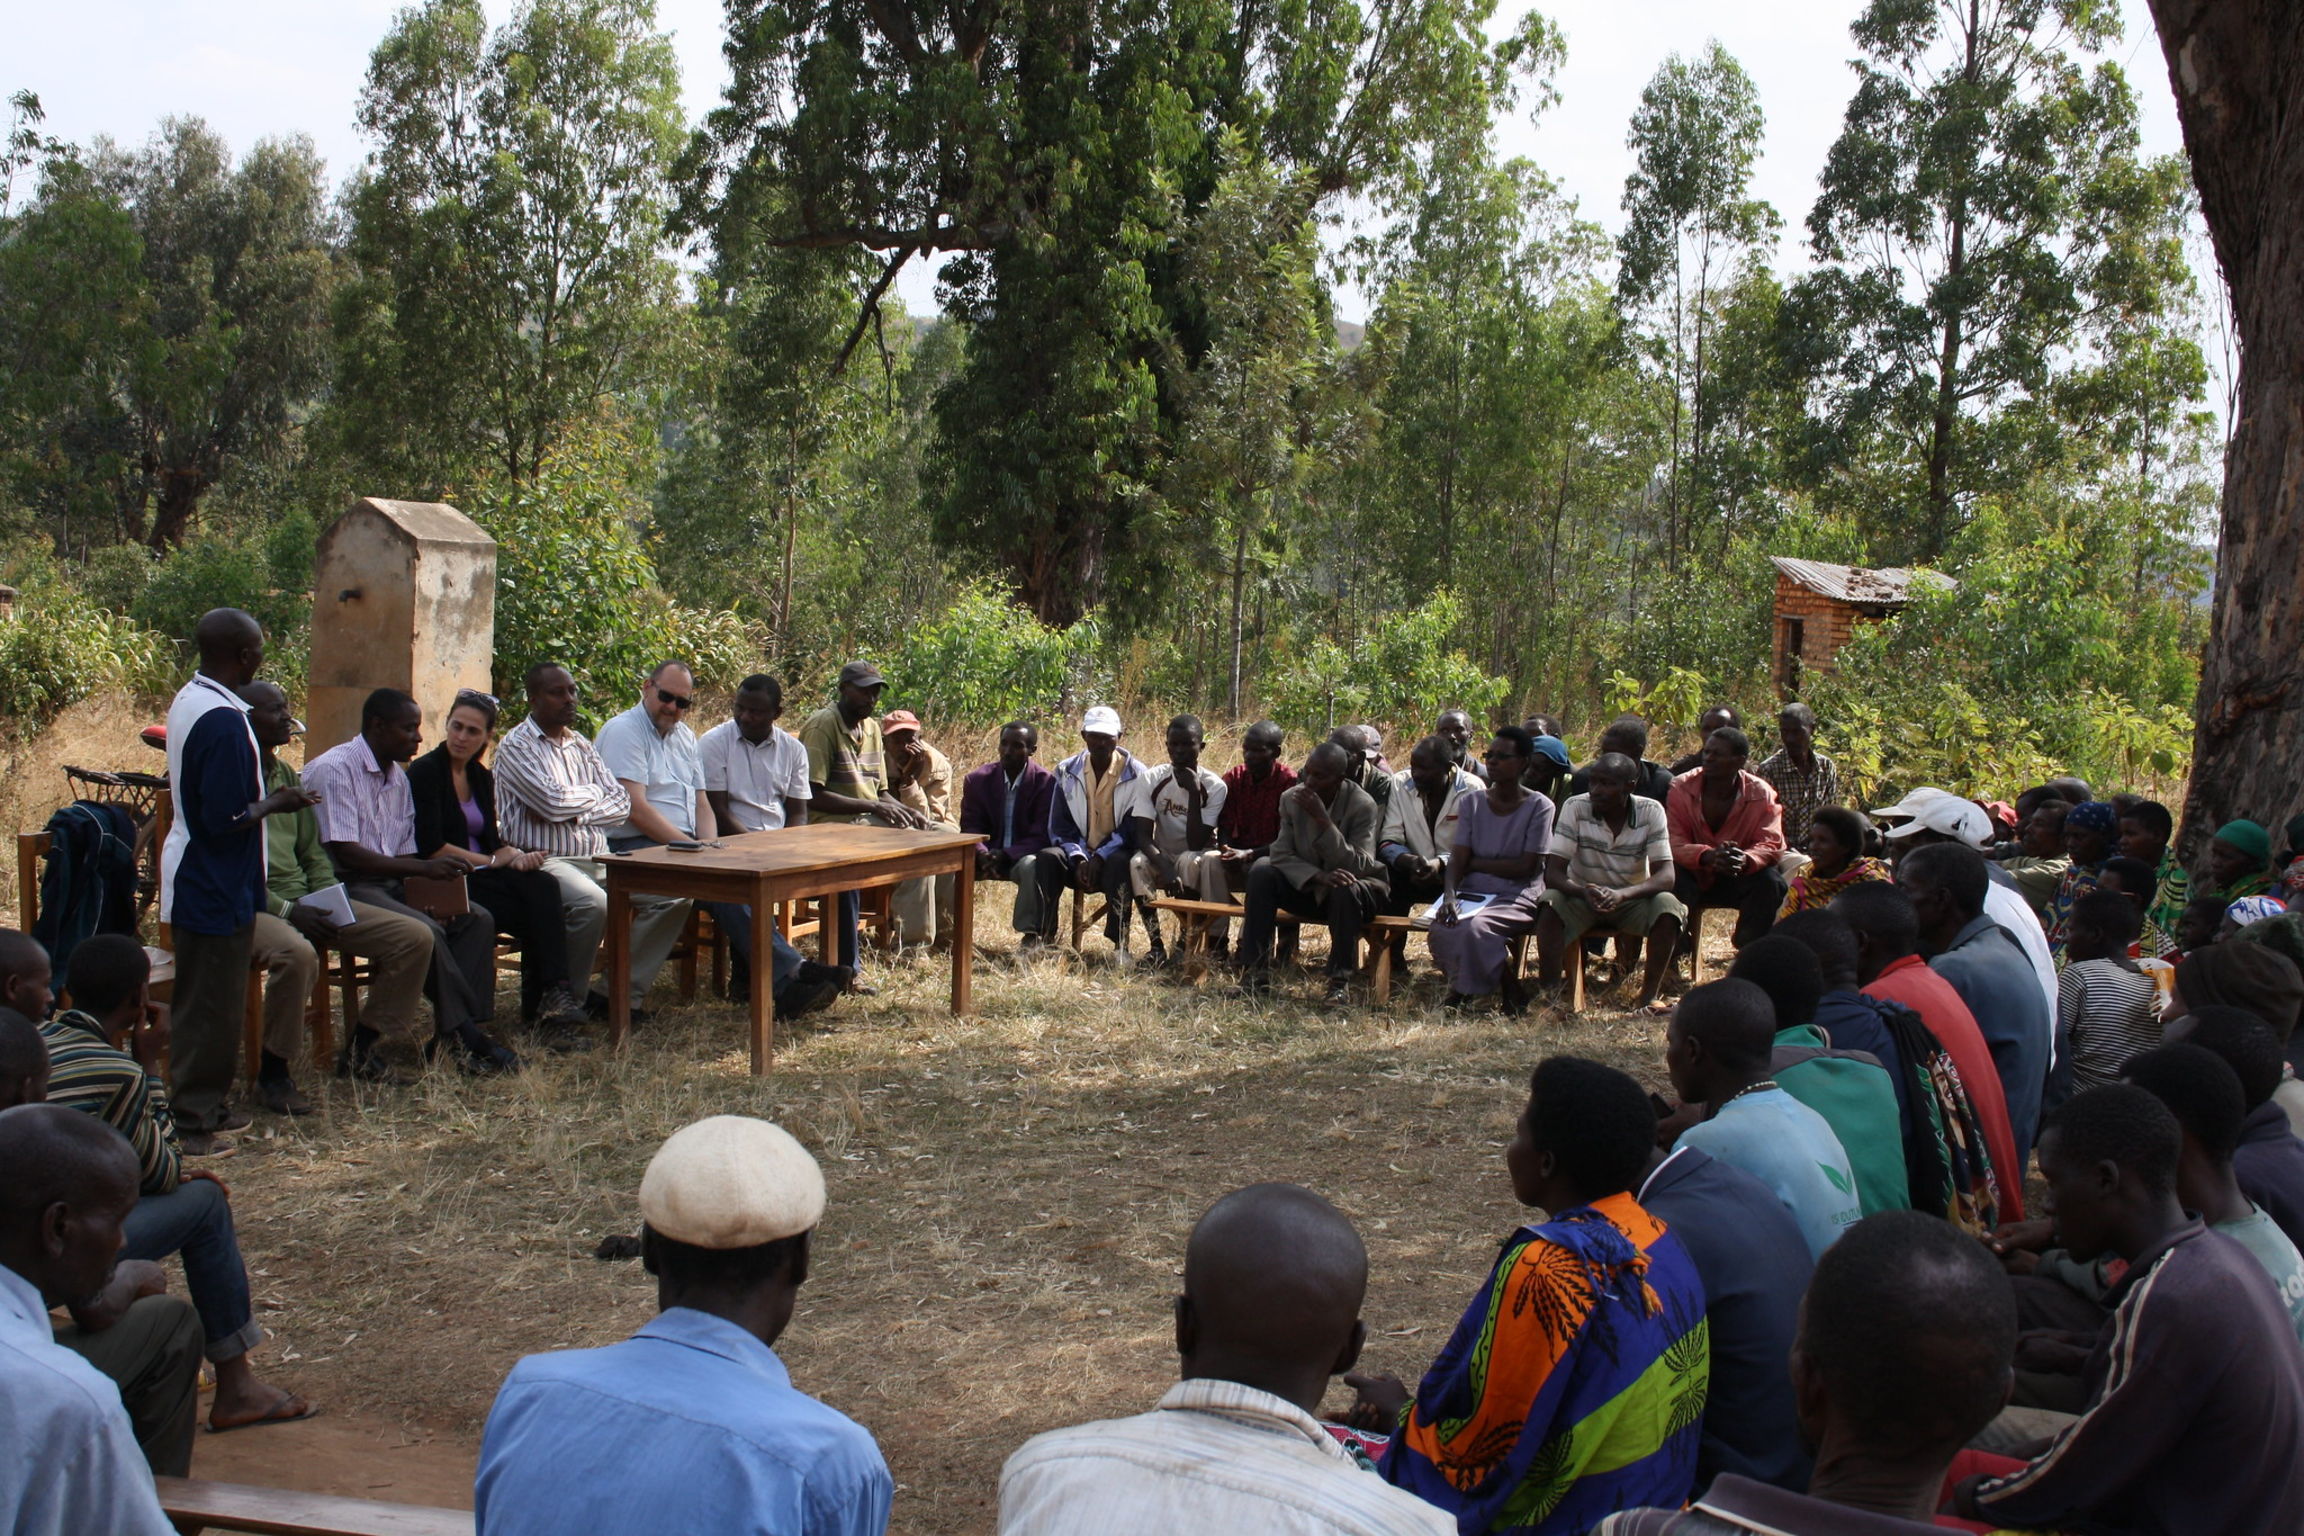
1088, 821
692, 1424
1940, 816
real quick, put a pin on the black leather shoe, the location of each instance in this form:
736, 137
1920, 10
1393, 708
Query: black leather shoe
801, 995
474, 1052
368, 1066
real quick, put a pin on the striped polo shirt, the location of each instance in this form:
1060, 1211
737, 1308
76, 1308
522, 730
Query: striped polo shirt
1598, 856
88, 1074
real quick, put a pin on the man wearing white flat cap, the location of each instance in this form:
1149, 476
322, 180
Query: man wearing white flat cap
1940, 816
1096, 789
692, 1424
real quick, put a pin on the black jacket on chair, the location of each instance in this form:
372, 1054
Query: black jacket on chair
439, 814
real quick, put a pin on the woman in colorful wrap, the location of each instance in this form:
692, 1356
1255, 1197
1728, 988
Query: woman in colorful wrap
1836, 861
1575, 1383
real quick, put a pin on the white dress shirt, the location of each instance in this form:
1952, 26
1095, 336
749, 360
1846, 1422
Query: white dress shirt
1214, 1456
757, 777
71, 1466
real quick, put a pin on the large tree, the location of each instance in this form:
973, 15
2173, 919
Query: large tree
509, 234
2238, 70
1692, 230
1053, 155
1978, 220
163, 316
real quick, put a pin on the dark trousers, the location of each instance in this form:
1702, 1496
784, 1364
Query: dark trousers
462, 981
1405, 896
1755, 894
526, 906
194, 1221
1346, 909
153, 1355
209, 1002
1112, 883
735, 920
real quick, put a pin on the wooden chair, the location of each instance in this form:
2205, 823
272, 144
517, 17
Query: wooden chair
1696, 939
195, 1504
1082, 917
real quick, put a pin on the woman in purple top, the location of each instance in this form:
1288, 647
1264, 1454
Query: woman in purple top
456, 819
1501, 838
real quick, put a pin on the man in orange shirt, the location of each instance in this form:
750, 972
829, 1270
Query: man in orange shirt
1727, 837
1888, 966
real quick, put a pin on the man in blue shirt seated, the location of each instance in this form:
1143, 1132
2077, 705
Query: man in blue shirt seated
70, 1461
692, 1424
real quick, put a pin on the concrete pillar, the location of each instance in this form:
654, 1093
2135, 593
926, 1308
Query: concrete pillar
403, 596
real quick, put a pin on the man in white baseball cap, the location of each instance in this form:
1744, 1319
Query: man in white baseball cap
1088, 822
692, 1424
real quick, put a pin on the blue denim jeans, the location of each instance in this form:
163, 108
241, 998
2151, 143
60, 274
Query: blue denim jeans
195, 1222
735, 920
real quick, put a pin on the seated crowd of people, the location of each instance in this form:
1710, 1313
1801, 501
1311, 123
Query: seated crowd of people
1809, 1290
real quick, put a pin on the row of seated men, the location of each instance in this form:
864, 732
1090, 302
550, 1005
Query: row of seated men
441, 854
1793, 1302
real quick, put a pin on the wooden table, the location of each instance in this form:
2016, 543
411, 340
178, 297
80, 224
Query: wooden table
759, 869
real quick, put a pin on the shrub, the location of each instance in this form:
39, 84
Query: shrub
1402, 673
985, 660
59, 647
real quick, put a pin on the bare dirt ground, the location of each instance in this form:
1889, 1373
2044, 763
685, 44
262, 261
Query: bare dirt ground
1009, 1199
1010, 1193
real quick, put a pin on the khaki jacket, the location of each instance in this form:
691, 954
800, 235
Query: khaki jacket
1304, 848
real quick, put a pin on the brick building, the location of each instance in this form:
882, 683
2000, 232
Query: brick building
1819, 605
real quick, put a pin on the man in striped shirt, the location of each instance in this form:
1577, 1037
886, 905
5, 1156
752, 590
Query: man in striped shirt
1610, 866
555, 796
179, 1211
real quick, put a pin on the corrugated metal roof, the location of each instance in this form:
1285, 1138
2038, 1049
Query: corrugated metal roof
1855, 584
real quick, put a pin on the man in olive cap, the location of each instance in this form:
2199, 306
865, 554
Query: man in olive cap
848, 781
693, 1419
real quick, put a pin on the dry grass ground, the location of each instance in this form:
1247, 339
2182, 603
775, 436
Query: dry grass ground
1009, 1195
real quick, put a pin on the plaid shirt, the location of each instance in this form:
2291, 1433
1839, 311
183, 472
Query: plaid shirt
1801, 792
555, 796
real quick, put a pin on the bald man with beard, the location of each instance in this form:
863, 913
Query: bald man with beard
68, 1457
1273, 1281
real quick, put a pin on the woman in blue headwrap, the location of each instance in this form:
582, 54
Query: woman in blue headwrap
2088, 833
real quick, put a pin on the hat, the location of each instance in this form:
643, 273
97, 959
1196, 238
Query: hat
2248, 837
2251, 976
2002, 813
1553, 748
1937, 810
899, 720
2093, 816
1103, 720
730, 1181
2254, 909
862, 674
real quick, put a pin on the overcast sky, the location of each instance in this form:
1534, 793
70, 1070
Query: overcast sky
254, 68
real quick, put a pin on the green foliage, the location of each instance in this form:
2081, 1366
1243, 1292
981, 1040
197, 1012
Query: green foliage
1403, 673
508, 231
59, 647
575, 584
986, 660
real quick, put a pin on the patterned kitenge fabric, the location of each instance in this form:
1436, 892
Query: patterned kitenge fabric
2169, 898
1809, 890
2078, 881
1573, 1385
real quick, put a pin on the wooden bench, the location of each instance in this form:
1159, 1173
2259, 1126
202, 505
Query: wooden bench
1575, 960
193, 1505
1195, 917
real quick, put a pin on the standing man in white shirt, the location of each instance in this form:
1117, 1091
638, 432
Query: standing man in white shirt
1175, 811
756, 780
554, 795
1273, 1281
70, 1463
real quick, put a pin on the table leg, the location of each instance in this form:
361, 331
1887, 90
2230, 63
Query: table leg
964, 928
619, 924
763, 986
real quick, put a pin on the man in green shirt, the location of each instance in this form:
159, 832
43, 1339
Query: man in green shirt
289, 934
848, 780
1850, 1089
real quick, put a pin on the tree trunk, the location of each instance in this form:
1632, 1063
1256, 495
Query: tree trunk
1239, 610
2238, 70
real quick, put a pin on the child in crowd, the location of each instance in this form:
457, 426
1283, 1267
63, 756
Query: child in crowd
2203, 920
2106, 1008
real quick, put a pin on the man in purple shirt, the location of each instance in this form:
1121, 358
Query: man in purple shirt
1006, 803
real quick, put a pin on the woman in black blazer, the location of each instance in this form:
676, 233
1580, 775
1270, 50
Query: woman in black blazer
456, 819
